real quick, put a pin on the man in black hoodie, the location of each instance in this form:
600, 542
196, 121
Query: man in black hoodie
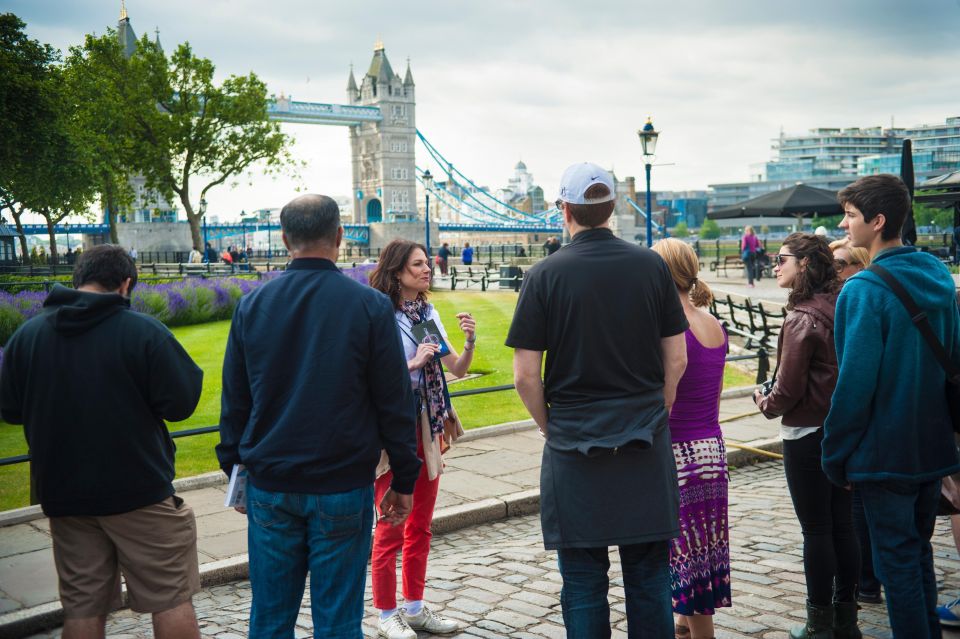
315, 384
92, 382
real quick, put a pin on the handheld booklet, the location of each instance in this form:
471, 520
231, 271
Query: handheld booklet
428, 333
237, 488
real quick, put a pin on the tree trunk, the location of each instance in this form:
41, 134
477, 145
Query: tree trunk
54, 258
194, 220
111, 202
24, 251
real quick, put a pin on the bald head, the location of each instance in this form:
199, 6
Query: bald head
310, 221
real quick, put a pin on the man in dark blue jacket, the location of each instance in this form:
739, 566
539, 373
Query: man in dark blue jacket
889, 430
314, 386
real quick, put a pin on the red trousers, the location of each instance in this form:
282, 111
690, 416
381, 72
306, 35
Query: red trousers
412, 538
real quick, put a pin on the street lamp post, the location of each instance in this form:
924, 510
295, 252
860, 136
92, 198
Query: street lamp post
427, 186
203, 214
66, 226
648, 139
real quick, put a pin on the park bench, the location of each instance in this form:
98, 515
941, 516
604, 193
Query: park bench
472, 276
758, 324
729, 262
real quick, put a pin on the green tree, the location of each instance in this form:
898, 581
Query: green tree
47, 169
680, 230
91, 71
23, 68
190, 133
710, 230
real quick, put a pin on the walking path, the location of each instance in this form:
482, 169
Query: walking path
491, 474
499, 582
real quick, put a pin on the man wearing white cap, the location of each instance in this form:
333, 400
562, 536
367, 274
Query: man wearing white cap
607, 314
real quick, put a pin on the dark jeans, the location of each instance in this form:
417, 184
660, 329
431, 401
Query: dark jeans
327, 535
868, 579
646, 581
901, 517
751, 265
830, 549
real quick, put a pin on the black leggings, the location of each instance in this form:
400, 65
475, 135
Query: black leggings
830, 548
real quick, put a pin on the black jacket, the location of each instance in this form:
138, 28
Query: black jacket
315, 384
92, 382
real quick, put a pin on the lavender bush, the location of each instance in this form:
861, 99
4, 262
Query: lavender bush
178, 303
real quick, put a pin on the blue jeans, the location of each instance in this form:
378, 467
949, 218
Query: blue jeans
646, 580
291, 533
901, 517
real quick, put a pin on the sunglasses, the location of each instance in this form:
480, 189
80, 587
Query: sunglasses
781, 258
839, 264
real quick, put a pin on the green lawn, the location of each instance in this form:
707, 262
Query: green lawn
206, 343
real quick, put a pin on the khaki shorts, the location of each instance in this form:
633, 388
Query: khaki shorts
155, 547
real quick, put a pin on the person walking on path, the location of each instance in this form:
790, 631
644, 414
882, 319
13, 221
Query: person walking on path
314, 386
101, 454
700, 556
803, 383
749, 249
467, 255
403, 274
607, 314
848, 261
443, 258
889, 431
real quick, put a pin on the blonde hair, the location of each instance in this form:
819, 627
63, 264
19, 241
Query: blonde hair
684, 267
860, 254
748, 230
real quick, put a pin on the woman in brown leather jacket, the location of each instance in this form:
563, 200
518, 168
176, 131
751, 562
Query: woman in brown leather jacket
803, 384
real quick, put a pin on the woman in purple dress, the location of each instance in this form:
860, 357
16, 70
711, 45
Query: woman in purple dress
700, 556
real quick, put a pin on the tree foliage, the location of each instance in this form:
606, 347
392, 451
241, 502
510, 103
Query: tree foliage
44, 165
709, 230
190, 133
680, 230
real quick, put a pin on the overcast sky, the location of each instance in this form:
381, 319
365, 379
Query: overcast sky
557, 82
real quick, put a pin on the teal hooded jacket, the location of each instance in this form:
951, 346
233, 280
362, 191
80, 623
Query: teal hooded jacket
888, 418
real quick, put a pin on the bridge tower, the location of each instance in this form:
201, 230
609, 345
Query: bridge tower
384, 164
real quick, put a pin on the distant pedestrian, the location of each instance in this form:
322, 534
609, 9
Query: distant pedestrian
314, 386
551, 246
607, 314
133, 253
803, 383
209, 254
101, 453
195, 256
443, 258
749, 247
700, 555
403, 274
466, 256
889, 430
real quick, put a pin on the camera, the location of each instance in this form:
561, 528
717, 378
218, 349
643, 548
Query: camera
766, 387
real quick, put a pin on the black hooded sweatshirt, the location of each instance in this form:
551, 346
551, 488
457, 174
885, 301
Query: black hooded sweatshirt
92, 382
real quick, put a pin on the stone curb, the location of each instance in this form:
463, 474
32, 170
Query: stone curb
22, 623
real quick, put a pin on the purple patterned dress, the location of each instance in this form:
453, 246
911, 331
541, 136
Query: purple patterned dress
700, 556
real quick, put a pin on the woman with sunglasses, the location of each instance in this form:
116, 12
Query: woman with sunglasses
803, 385
847, 259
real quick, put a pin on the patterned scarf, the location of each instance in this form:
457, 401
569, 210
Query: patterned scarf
432, 385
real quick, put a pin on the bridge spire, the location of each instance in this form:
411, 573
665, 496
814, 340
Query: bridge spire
123, 10
378, 45
408, 79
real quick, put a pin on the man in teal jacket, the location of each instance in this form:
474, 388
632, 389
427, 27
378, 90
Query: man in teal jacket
889, 431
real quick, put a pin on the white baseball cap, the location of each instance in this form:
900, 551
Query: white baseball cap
580, 177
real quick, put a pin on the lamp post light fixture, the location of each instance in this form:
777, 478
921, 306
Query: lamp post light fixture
427, 179
66, 226
648, 139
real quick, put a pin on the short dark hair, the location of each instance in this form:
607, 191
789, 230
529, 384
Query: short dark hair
105, 264
310, 219
591, 215
876, 194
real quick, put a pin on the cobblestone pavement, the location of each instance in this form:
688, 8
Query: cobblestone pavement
499, 582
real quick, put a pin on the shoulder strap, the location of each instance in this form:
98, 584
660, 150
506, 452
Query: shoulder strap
919, 319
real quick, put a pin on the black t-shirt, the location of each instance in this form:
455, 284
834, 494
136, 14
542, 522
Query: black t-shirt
599, 308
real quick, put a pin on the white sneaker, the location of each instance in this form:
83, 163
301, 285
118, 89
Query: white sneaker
431, 622
395, 627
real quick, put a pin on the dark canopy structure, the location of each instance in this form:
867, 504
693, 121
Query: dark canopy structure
797, 201
943, 189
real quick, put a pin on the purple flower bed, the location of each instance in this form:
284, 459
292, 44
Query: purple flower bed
188, 301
